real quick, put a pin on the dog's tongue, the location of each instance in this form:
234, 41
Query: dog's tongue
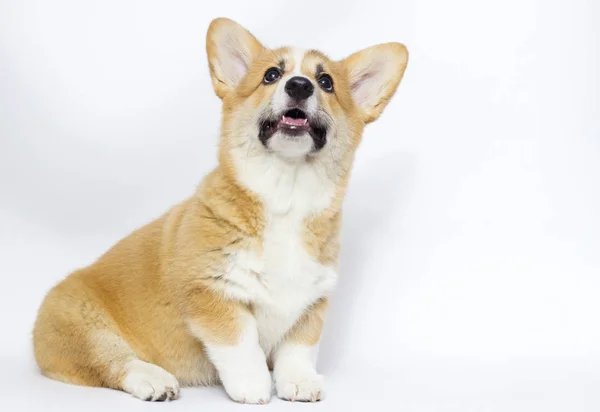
293, 122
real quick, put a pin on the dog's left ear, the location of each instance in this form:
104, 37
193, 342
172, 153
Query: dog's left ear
230, 49
374, 75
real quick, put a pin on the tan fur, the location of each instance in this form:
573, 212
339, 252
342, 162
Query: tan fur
155, 291
308, 328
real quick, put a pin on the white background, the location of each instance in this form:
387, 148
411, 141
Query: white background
470, 271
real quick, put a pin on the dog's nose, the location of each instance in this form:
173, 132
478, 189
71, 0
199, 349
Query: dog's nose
299, 88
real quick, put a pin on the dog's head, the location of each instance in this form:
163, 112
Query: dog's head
294, 103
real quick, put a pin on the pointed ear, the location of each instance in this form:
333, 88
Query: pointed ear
374, 75
230, 49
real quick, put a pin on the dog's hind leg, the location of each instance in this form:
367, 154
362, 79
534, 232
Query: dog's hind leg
75, 341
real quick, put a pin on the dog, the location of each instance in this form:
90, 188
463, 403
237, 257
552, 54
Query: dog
233, 283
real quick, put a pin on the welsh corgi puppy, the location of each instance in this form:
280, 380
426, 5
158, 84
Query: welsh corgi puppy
233, 282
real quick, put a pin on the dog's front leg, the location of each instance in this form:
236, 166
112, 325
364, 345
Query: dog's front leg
228, 331
296, 378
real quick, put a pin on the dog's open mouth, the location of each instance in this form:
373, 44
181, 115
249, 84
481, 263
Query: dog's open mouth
294, 122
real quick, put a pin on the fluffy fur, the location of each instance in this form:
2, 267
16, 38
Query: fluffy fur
235, 280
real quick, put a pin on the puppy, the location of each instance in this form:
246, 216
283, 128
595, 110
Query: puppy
234, 281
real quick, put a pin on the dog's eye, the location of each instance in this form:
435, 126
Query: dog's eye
326, 83
272, 75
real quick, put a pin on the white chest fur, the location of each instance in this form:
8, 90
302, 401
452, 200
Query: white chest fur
282, 280
293, 279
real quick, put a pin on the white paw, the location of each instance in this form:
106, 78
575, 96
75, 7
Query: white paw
149, 382
249, 388
302, 388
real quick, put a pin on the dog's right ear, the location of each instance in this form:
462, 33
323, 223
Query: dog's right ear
230, 49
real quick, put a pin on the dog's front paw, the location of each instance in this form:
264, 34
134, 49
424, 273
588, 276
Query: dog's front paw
249, 388
307, 387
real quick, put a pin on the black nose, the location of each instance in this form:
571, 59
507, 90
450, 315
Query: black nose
299, 88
